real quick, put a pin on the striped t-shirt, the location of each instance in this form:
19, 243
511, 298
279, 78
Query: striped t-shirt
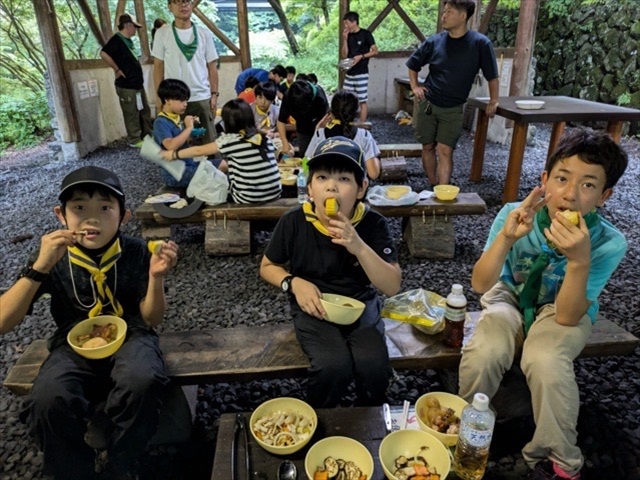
253, 175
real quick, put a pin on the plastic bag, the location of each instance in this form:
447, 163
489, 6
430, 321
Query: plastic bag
421, 308
377, 196
208, 184
151, 151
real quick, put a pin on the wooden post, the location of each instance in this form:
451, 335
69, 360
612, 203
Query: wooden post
475, 20
105, 18
142, 32
440, 10
88, 15
243, 34
525, 37
58, 76
119, 11
343, 9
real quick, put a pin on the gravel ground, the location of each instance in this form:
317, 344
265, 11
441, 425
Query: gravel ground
203, 292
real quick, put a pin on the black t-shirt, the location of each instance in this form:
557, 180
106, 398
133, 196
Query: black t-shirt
310, 115
312, 256
130, 66
128, 280
359, 43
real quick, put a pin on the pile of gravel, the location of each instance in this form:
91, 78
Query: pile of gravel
204, 292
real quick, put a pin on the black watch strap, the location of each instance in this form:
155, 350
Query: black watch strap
31, 273
285, 285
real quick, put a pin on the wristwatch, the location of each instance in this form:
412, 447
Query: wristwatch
217, 94
285, 285
30, 272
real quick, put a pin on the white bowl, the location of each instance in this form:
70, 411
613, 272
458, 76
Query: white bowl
344, 448
446, 400
340, 309
530, 104
409, 443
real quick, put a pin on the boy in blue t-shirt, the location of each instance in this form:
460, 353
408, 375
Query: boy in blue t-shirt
172, 133
541, 275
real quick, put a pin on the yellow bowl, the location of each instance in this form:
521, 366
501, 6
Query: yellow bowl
446, 193
284, 404
84, 328
408, 443
343, 448
394, 192
340, 309
447, 400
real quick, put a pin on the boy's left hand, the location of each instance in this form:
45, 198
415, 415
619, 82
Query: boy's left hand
164, 260
343, 233
573, 241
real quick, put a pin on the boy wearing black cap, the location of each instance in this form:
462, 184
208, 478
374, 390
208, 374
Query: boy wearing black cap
89, 268
349, 253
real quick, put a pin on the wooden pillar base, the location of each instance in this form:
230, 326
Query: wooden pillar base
431, 237
229, 237
393, 168
156, 232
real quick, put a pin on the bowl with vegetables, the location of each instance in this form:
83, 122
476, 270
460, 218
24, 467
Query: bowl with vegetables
283, 425
338, 458
413, 454
439, 414
97, 337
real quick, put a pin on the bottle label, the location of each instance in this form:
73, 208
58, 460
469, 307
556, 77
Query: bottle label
474, 437
454, 314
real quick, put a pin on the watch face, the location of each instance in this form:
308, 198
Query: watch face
285, 284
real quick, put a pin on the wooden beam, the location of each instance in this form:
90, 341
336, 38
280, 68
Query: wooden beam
142, 32
475, 19
243, 34
88, 15
216, 31
119, 11
381, 16
104, 17
525, 38
486, 17
59, 77
410, 23
343, 8
439, 23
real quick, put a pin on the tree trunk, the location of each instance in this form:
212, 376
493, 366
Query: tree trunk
325, 12
486, 18
293, 43
525, 38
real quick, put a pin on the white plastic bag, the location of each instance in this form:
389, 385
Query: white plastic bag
208, 184
377, 196
151, 151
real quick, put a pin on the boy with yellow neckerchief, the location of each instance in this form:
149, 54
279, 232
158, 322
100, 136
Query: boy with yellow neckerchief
264, 111
89, 268
349, 252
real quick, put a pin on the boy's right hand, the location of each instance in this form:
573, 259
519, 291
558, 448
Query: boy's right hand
308, 297
52, 248
520, 221
189, 120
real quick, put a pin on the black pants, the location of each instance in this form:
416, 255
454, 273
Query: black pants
69, 386
340, 354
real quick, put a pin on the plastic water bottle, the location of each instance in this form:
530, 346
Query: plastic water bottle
454, 315
476, 430
301, 182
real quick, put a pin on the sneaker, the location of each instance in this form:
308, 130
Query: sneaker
138, 144
547, 470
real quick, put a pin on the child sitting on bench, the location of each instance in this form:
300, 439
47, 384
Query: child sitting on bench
253, 171
350, 253
541, 274
265, 113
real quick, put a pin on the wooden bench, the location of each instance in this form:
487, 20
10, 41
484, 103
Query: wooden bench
428, 233
259, 352
401, 149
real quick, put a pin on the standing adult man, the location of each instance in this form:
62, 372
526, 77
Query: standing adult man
454, 57
119, 54
186, 52
360, 46
276, 74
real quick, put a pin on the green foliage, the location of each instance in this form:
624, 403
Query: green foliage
624, 99
23, 121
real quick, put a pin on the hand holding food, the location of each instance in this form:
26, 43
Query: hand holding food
155, 246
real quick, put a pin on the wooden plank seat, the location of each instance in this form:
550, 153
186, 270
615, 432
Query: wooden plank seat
259, 352
428, 233
400, 149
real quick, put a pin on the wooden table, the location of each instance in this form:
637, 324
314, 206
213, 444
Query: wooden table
364, 424
557, 110
404, 93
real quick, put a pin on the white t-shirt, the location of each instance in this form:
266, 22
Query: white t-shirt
363, 138
195, 72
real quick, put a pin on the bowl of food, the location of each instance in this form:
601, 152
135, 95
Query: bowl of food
395, 192
283, 425
446, 193
332, 456
413, 454
530, 104
340, 309
439, 414
97, 337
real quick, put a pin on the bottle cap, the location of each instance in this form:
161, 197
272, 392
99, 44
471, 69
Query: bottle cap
456, 289
480, 402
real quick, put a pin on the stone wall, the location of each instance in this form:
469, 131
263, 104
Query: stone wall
591, 52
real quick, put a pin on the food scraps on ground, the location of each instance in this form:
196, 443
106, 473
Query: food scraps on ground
338, 469
283, 428
99, 336
441, 419
415, 468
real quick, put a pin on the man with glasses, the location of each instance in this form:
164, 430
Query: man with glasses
186, 52
119, 54
454, 58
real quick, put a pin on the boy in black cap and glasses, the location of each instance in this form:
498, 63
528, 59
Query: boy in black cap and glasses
89, 268
335, 244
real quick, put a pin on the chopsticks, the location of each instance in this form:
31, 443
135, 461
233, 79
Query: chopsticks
240, 426
405, 414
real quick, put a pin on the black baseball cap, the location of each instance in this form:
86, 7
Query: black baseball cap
92, 174
339, 148
128, 18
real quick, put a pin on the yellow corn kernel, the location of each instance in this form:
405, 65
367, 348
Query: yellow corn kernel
155, 246
331, 206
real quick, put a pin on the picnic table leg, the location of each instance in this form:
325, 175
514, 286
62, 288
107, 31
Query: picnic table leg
516, 155
479, 142
556, 132
615, 130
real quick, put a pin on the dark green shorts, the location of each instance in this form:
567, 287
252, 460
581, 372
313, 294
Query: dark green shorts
441, 125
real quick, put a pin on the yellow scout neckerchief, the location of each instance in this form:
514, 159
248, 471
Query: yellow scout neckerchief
310, 215
174, 117
255, 139
99, 275
265, 122
333, 123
